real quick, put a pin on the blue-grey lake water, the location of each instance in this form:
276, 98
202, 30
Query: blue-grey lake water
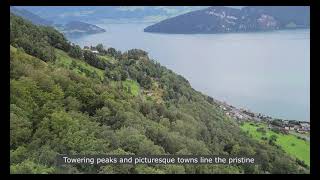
266, 72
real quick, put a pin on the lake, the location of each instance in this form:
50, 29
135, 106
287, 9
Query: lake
266, 72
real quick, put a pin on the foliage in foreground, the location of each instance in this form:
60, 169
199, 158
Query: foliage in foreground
57, 110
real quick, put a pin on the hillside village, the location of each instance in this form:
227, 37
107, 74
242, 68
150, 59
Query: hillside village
91, 48
280, 125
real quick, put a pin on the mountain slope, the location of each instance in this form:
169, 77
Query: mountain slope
61, 106
35, 19
71, 28
77, 28
218, 19
100, 14
285, 15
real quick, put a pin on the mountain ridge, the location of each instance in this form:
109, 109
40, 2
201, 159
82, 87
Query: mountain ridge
31, 16
218, 19
101, 13
70, 28
78, 28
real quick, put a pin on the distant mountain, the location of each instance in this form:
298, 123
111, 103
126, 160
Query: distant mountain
116, 14
78, 28
219, 19
284, 15
72, 28
35, 19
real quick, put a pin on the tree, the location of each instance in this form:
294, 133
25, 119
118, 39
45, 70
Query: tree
165, 122
55, 38
262, 130
264, 160
235, 149
76, 52
145, 81
72, 103
124, 75
174, 169
107, 170
281, 166
18, 155
144, 169
112, 52
173, 142
228, 148
104, 115
93, 60
38, 41
136, 54
133, 72
146, 108
30, 167
100, 48
20, 130
273, 139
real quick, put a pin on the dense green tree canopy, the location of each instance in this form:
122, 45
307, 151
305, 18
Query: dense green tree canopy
60, 109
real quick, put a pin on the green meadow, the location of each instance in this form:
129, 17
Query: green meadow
131, 86
291, 144
64, 60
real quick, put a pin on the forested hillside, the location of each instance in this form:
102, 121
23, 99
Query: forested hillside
219, 19
65, 100
30, 16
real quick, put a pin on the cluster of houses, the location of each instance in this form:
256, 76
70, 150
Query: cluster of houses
238, 114
285, 126
275, 124
91, 48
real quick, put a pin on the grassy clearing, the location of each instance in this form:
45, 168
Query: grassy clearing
295, 147
26, 58
13, 49
107, 59
64, 60
131, 86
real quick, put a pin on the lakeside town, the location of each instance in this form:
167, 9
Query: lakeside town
299, 128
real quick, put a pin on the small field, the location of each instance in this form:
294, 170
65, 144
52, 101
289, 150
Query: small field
77, 65
107, 59
131, 86
290, 143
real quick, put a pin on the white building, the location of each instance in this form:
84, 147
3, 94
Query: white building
305, 126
